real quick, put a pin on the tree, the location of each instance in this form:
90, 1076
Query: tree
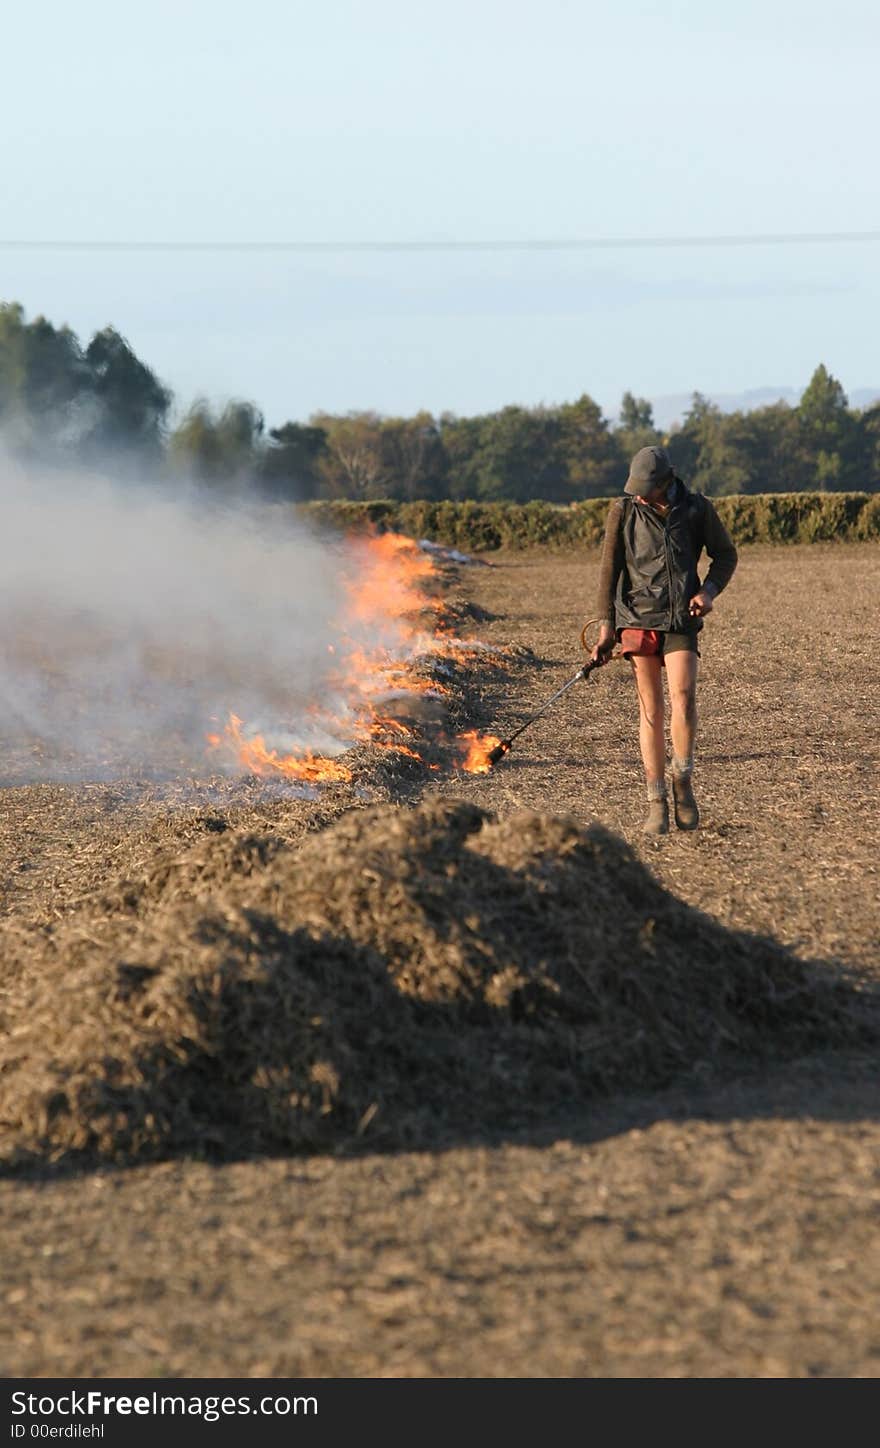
291, 461
414, 455
636, 428
869, 448
764, 442
828, 432
223, 448
133, 402
701, 451
636, 413
518, 456
460, 438
823, 407
352, 464
594, 459
57, 401
45, 382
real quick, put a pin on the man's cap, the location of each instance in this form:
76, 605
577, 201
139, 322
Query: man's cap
650, 468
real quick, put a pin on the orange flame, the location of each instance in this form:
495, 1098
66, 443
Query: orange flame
391, 572
253, 754
387, 623
476, 749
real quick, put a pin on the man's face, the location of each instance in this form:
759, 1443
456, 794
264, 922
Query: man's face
657, 495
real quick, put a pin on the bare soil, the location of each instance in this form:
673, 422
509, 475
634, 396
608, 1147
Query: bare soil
722, 1224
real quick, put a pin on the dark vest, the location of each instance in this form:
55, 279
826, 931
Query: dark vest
659, 574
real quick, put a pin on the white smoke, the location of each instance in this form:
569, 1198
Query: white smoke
136, 619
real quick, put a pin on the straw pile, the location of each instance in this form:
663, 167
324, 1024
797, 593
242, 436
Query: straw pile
399, 977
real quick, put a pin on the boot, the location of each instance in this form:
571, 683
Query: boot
687, 816
657, 821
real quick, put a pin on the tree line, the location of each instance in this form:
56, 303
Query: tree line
61, 401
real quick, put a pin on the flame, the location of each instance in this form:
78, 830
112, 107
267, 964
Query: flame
388, 624
476, 749
389, 580
397, 730
377, 672
253, 754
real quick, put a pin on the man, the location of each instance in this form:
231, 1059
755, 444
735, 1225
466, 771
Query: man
652, 600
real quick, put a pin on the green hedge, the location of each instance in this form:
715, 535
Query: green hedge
483, 527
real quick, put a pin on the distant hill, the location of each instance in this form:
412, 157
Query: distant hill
672, 407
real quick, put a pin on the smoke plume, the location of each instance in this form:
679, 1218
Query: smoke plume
135, 619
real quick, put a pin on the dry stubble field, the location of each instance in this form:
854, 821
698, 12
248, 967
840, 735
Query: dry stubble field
723, 1226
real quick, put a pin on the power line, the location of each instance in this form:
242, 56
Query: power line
597, 243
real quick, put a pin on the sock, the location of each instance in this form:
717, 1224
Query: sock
682, 768
656, 789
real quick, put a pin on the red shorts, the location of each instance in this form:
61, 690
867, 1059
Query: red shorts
643, 642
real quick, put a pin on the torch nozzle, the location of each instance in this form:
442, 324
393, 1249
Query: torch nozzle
499, 751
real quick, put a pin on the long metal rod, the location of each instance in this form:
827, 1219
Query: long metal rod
582, 673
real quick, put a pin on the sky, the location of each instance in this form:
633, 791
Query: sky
475, 121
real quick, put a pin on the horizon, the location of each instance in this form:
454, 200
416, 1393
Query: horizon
669, 409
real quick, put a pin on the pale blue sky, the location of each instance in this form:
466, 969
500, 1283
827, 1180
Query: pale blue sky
338, 121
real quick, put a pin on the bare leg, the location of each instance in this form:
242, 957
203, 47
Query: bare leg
652, 735
681, 671
681, 674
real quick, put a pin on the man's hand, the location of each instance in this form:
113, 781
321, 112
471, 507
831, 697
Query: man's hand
701, 603
607, 639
